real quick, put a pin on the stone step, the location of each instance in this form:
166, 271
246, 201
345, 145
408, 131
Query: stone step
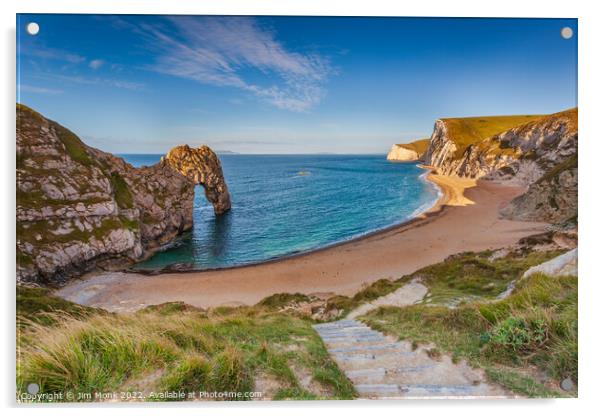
353, 340
348, 332
381, 368
344, 329
396, 365
341, 334
414, 375
415, 390
360, 349
340, 327
400, 371
343, 323
360, 357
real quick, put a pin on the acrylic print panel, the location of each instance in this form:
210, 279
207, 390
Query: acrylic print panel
271, 208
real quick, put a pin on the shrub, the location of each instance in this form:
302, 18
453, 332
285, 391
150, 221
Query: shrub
280, 300
518, 335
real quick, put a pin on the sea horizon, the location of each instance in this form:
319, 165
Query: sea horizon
227, 152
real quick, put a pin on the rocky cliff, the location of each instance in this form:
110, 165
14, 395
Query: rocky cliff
552, 198
408, 151
202, 167
523, 152
540, 154
400, 153
80, 209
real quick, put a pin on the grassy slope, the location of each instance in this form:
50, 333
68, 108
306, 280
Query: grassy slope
468, 130
527, 342
419, 146
172, 347
455, 280
175, 347
38, 306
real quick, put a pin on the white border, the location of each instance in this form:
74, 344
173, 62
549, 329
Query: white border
590, 152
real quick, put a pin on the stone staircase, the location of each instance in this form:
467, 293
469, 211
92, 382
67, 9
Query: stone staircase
381, 367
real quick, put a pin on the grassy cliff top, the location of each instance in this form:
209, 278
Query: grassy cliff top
470, 130
570, 117
419, 146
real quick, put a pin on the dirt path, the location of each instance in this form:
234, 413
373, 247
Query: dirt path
408, 294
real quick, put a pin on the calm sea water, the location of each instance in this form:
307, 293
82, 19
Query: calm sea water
285, 204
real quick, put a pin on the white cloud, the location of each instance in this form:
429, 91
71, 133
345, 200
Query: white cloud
109, 82
96, 63
54, 54
38, 90
225, 51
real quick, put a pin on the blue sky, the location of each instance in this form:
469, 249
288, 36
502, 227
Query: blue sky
143, 84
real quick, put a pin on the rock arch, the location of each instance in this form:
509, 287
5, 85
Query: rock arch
202, 167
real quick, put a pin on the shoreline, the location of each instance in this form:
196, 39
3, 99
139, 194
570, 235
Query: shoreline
445, 190
342, 268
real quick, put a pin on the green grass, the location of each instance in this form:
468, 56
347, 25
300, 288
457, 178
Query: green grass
520, 383
371, 292
469, 276
76, 149
419, 146
23, 259
280, 300
123, 196
459, 278
42, 228
478, 332
38, 306
37, 199
470, 130
186, 349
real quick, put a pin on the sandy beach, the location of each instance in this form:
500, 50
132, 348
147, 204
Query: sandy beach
464, 219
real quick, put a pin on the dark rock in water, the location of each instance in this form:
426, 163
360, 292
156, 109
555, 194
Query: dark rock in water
178, 267
81, 209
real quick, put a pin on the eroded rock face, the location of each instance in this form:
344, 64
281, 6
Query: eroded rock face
80, 209
476, 161
552, 198
541, 154
401, 154
202, 167
523, 153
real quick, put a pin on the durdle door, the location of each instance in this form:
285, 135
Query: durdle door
80, 209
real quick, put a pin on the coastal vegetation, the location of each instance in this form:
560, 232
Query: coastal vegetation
419, 146
458, 278
526, 342
171, 347
465, 131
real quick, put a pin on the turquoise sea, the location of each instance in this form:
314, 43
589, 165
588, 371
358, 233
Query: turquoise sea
286, 204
